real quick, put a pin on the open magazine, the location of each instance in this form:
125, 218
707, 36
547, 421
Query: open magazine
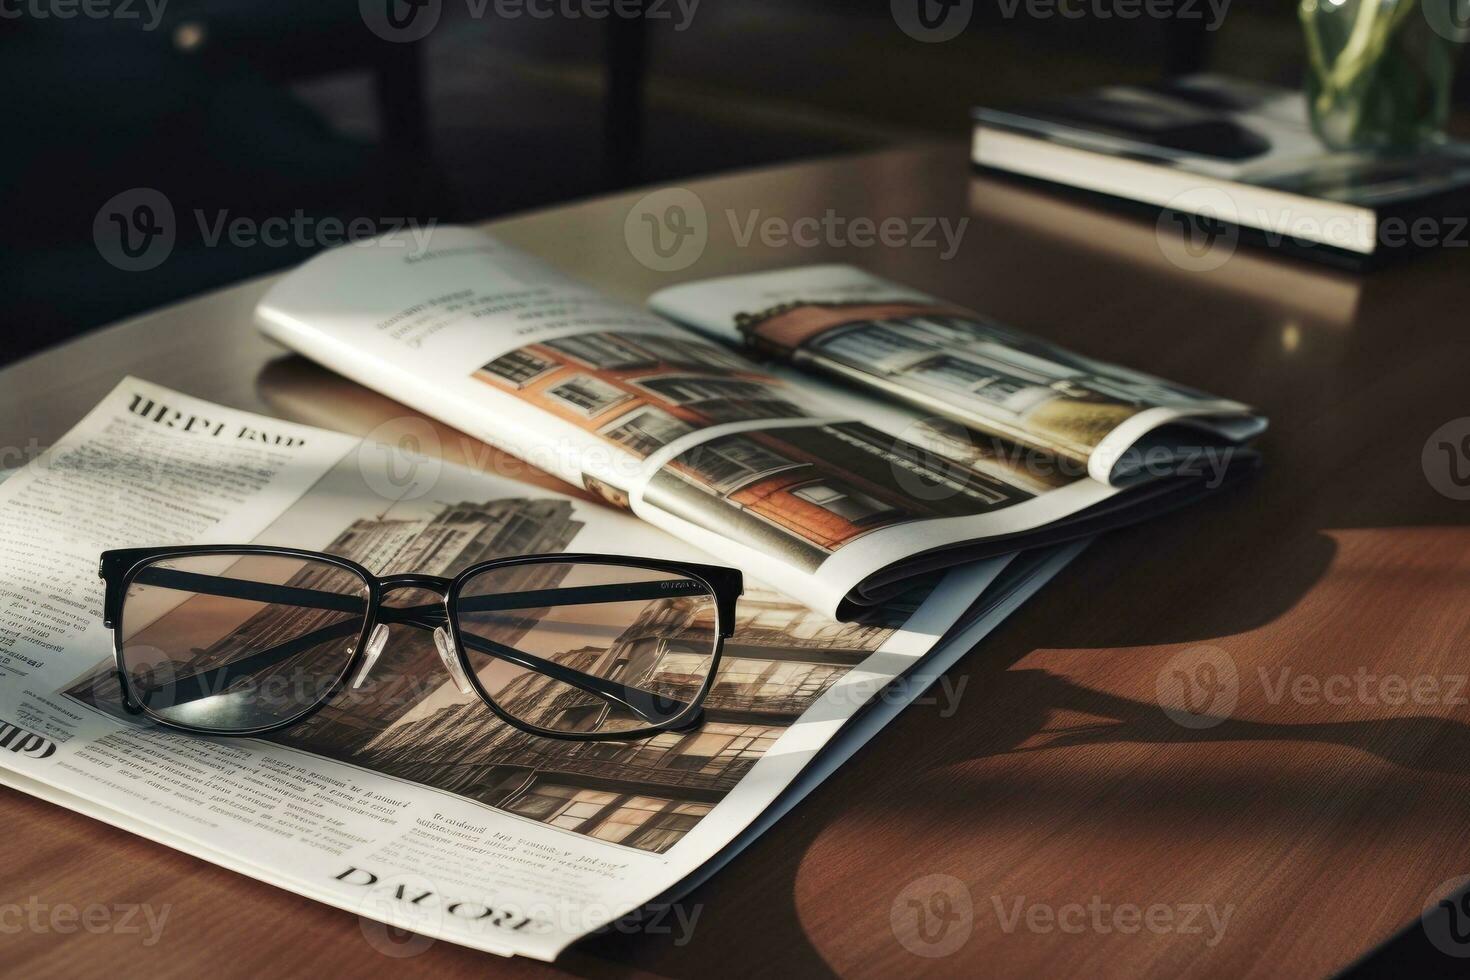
926, 437
405, 800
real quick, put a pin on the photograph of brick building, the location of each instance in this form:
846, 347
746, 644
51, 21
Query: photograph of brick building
410, 722
954, 362
800, 492
639, 391
649, 793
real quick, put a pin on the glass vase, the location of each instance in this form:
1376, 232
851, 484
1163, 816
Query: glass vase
1379, 71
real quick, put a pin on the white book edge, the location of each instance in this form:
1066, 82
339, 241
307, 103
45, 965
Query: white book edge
1329, 223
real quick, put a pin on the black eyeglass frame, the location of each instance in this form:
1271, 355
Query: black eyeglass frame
119, 568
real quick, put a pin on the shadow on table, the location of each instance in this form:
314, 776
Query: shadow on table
1224, 568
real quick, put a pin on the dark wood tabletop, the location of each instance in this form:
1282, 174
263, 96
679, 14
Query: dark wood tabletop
1300, 801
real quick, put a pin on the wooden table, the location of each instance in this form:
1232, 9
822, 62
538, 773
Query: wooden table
1319, 825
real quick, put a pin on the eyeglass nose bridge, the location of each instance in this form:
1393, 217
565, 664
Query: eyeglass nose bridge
418, 617
442, 644
375, 644
429, 583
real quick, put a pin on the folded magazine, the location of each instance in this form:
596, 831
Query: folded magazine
404, 799
842, 436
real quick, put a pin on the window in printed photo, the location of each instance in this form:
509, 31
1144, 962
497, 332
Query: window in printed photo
646, 430
723, 399
876, 345
731, 463
519, 367
681, 352
603, 351
588, 395
844, 500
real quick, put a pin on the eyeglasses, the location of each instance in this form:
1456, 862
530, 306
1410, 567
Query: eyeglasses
246, 640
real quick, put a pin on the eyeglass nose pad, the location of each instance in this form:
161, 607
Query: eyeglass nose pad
451, 662
375, 645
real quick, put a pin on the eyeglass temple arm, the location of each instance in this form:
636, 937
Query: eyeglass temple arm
207, 683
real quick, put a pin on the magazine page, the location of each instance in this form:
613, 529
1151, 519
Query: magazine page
817, 491
943, 359
403, 799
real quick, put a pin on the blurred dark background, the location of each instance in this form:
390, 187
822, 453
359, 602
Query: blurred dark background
261, 108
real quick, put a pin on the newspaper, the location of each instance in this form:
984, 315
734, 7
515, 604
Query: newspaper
836, 497
405, 801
